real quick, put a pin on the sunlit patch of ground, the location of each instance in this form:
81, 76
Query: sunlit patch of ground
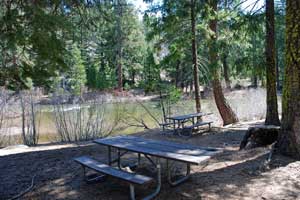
230, 175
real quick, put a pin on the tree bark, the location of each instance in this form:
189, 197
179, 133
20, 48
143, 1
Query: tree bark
133, 78
272, 107
226, 71
289, 137
194, 53
119, 46
227, 114
254, 81
177, 74
277, 72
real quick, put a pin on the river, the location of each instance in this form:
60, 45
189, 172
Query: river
248, 105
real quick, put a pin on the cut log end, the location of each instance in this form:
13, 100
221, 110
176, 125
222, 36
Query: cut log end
260, 136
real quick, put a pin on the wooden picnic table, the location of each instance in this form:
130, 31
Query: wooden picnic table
154, 151
180, 120
187, 116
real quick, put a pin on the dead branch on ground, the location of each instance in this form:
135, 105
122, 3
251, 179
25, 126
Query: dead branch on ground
25, 191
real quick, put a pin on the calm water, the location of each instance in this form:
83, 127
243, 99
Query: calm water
249, 105
130, 115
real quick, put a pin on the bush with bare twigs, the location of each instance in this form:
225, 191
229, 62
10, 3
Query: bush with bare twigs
29, 111
83, 121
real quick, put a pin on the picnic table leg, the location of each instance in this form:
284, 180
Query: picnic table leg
119, 159
174, 127
157, 190
109, 155
132, 192
179, 124
139, 159
181, 180
93, 179
128, 168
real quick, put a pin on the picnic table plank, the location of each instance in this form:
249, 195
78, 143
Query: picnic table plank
188, 116
198, 124
154, 151
170, 143
172, 147
106, 169
164, 148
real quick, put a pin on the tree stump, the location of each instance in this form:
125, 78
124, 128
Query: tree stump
259, 136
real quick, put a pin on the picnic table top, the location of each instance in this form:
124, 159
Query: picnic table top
163, 149
188, 116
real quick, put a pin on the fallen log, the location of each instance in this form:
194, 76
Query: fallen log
259, 136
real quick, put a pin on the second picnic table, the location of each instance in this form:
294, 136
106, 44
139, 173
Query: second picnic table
180, 121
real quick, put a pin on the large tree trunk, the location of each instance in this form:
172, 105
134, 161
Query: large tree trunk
194, 52
177, 74
272, 107
226, 71
133, 77
224, 108
119, 45
254, 81
289, 137
227, 114
277, 72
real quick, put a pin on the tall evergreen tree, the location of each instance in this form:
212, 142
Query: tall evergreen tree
289, 138
120, 39
272, 117
76, 75
195, 58
224, 108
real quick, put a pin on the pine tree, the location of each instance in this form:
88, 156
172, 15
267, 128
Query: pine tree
76, 75
272, 107
289, 138
195, 58
224, 108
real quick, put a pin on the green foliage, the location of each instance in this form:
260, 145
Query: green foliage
173, 94
32, 42
34, 38
105, 30
76, 76
169, 96
151, 72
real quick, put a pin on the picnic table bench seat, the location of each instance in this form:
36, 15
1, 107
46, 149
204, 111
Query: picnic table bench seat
131, 178
179, 123
111, 171
198, 124
166, 124
153, 151
190, 128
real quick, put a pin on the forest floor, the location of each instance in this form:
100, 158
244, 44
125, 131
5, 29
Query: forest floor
232, 174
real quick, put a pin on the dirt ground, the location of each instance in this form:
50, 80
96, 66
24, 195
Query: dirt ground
233, 174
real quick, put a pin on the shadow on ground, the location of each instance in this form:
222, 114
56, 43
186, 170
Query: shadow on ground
232, 174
